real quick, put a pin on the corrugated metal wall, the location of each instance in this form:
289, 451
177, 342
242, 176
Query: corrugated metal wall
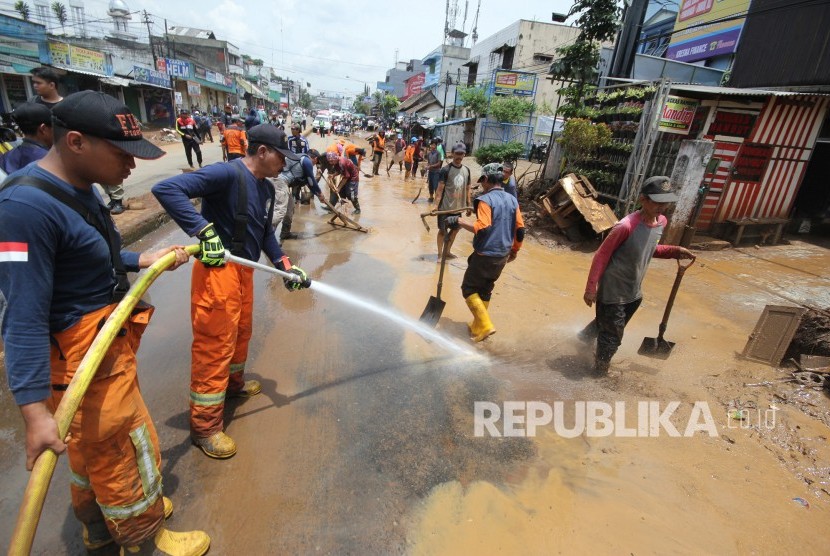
789, 125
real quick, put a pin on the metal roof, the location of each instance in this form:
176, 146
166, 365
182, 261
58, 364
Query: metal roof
453, 122
733, 91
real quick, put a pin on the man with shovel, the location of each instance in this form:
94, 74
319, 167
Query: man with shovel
620, 264
237, 211
498, 234
453, 193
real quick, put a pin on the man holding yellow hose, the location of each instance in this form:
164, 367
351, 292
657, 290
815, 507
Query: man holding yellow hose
62, 273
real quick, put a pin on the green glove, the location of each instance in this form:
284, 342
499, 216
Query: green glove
213, 252
292, 285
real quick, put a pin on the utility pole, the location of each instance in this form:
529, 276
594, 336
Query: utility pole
446, 88
155, 65
170, 75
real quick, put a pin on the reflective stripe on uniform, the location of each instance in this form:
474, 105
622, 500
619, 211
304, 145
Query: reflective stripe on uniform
207, 399
237, 367
79, 480
150, 478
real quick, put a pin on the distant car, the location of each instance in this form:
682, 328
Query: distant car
319, 121
370, 124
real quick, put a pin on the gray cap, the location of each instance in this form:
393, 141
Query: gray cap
659, 190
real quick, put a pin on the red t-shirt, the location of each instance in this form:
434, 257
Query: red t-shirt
347, 168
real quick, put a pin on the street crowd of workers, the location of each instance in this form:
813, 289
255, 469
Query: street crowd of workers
63, 272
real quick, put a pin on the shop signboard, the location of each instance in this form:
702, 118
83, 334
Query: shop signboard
706, 28
194, 89
514, 83
678, 115
59, 53
88, 60
152, 77
415, 84
179, 69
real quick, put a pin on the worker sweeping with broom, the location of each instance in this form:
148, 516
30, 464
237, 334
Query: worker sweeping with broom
62, 274
237, 212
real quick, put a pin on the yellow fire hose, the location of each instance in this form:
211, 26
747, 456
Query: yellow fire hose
35, 494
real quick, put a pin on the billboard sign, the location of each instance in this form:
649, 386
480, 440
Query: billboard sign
179, 69
414, 85
514, 83
144, 75
705, 28
678, 115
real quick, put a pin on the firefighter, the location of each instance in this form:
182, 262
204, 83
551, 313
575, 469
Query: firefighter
222, 295
62, 273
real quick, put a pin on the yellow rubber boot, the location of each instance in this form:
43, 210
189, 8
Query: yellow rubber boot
219, 446
482, 326
188, 543
168, 507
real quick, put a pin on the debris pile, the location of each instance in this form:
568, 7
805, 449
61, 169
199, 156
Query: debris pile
812, 337
573, 200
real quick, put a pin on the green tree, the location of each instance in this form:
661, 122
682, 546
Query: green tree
474, 99
386, 103
598, 21
60, 14
360, 107
510, 109
304, 99
23, 9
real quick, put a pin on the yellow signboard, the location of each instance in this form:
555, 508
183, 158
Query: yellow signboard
678, 115
86, 59
706, 28
59, 53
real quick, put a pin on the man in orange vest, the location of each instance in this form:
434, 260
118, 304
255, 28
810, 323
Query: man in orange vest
378, 142
234, 140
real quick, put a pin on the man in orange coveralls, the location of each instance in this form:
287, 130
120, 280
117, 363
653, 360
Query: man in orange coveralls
62, 272
237, 211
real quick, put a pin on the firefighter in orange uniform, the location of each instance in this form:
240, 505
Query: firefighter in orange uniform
237, 211
62, 273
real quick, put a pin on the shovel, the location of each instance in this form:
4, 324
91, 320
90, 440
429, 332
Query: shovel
435, 305
658, 347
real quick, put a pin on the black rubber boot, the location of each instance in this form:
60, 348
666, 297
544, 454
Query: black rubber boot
116, 207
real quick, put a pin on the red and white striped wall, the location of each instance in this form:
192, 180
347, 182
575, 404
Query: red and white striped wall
790, 124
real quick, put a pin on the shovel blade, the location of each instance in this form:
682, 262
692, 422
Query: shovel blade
433, 310
656, 347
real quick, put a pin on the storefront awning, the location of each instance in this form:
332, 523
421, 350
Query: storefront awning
453, 122
82, 72
116, 81
212, 85
16, 64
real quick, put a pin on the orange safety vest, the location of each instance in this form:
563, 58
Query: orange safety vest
378, 144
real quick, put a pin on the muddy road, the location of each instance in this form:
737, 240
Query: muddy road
363, 442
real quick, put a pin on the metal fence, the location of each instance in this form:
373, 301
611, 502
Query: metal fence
497, 133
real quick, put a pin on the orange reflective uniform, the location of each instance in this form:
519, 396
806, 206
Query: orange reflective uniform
221, 310
378, 143
114, 455
236, 140
409, 153
351, 150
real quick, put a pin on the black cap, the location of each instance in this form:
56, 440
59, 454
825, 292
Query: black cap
659, 190
100, 115
271, 136
32, 114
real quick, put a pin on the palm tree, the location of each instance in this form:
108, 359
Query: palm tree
23, 9
60, 13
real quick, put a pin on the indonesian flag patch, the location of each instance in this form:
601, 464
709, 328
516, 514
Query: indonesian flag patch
11, 251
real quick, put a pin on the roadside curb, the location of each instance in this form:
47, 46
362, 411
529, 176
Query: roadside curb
134, 224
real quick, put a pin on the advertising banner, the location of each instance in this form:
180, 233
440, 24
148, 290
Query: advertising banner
678, 114
59, 52
751, 162
514, 83
144, 75
705, 28
414, 84
174, 68
88, 60
194, 89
